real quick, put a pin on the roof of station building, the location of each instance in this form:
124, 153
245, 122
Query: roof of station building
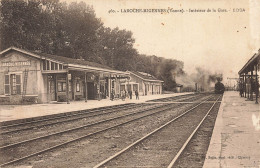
70, 62
67, 60
254, 60
179, 85
145, 76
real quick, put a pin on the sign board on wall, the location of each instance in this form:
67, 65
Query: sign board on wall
16, 63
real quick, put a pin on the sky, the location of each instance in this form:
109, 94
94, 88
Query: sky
220, 42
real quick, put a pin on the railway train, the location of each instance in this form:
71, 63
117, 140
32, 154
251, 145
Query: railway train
219, 88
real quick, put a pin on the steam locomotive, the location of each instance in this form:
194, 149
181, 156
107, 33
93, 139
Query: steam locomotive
219, 88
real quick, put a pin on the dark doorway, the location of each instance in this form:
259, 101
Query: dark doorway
52, 88
91, 91
145, 86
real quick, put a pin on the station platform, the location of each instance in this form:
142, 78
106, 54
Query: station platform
235, 141
15, 112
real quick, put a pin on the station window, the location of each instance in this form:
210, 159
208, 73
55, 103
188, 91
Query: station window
12, 84
7, 84
56, 66
62, 86
48, 65
44, 65
52, 66
77, 87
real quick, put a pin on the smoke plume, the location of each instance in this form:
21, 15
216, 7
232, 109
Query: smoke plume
203, 79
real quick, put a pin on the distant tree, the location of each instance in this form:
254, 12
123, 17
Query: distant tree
73, 30
50, 26
163, 69
118, 48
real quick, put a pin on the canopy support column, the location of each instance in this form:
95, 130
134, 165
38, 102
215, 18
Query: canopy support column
256, 85
86, 87
67, 87
98, 87
244, 84
251, 85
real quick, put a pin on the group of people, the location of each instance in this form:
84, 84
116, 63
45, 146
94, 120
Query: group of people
249, 86
129, 94
125, 94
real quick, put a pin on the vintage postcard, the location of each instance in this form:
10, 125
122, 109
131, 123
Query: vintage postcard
129, 83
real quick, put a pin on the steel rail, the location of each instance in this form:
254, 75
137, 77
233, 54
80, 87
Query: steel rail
171, 98
145, 137
80, 127
71, 119
79, 138
80, 112
78, 118
189, 98
190, 137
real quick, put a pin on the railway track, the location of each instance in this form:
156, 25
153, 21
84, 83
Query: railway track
73, 128
156, 148
52, 144
55, 116
171, 98
190, 97
72, 116
79, 115
27, 143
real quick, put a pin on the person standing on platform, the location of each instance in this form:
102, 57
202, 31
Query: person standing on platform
112, 94
137, 95
241, 89
123, 95
130, 94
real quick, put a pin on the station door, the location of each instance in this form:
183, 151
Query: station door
52, 88
91, 91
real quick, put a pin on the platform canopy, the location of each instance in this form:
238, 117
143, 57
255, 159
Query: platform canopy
145, 76
251, 63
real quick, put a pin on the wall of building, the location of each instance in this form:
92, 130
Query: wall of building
43, 85
135, 79
146, 87
17, 63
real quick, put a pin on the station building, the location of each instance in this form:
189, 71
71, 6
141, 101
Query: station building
144, 83
43, 78
179, 88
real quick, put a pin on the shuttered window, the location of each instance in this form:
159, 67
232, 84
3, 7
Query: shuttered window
18, 84
60, 67
56, 66
52, 65
48, 65
44, 66
13, 84
7, 84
